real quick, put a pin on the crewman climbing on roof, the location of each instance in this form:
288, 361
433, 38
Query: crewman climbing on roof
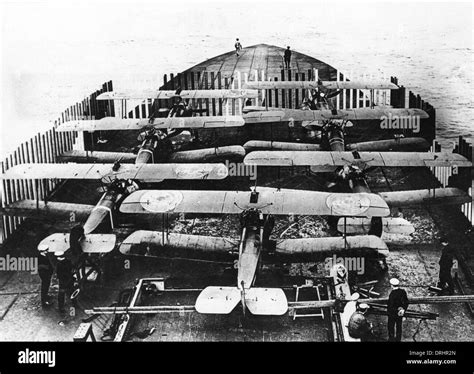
397, 305
45, 272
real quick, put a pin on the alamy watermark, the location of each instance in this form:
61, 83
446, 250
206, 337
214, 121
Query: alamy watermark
12, 263
394, 122
239, 169
356, 264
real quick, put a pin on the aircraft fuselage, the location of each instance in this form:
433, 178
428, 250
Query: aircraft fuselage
250, 248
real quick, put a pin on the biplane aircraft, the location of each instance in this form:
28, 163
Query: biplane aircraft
121, 180
161, 134
317, 113
257, 210
350, 169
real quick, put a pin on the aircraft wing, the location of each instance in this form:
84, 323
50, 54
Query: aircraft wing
103, 124
397, 145
361, 85
308, 246
208, 154
199, 243
112, 123
97, 156
439, 196
198, 122
269, 201
280, 115
286, 115
185, 94
145, 172
365, 159
258, 145
265, 85
34, 209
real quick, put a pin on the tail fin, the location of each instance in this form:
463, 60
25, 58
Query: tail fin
266, 301
217, 300
259, 301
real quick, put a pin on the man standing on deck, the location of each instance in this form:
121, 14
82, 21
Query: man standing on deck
358, 326
445, 265
287, 57
397, 305
45, 272
64, 272
238, 46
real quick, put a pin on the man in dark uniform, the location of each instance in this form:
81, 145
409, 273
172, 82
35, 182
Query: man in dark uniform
445, 265
238, 46
45, 272
397, 305
358, 325
287, 57
64, 272
75, 253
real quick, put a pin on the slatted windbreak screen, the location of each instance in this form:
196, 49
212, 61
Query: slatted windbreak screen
45, 147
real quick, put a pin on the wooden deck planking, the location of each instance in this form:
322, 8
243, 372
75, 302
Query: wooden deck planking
263, 56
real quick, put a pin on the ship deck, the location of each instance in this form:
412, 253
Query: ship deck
414, 262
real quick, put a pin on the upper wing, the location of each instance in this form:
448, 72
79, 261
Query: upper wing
103, 124
398, 144
208, 154
146, 172
112, 123
278, 115
269, 201
262, 85
96, 156
185, 94
257, 145
315, 158
198, 122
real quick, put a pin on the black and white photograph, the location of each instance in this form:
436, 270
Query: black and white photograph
251, 171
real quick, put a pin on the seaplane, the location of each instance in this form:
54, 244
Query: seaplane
350, 168
257, 209
120, 179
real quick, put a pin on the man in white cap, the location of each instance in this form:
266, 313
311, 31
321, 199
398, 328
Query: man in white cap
396, 307
45, 272
358, 325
